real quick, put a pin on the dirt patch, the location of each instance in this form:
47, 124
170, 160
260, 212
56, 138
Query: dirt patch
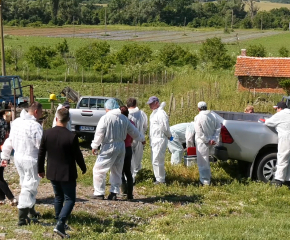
47, 31
45, 196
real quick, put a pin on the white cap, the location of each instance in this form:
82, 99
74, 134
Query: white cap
201, 104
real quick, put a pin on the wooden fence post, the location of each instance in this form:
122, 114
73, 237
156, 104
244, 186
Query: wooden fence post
181, 104
128, 89
173, 104
170, 103
82, 75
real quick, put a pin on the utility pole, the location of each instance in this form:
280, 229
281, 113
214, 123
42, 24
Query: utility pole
105, 21
74, 26
2, 41
184, 26
232, 19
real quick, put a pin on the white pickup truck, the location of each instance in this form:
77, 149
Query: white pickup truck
86, 115
244, 137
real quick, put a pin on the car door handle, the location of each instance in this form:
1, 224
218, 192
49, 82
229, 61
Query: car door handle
87, 114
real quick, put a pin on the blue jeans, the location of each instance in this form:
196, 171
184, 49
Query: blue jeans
64, 191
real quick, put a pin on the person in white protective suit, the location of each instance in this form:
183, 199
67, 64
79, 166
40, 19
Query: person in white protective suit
111, 133
207, 129
25, 137
141, 122
181, 133
159, 135
281, 122
67, 106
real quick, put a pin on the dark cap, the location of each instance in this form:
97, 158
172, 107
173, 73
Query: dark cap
152, 100
280, 105
66, 104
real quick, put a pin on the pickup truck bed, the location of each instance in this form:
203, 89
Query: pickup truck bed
245, 139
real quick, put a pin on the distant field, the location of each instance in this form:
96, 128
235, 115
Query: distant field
266, 6
141, 34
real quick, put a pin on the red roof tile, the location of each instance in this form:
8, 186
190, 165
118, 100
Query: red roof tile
262, 67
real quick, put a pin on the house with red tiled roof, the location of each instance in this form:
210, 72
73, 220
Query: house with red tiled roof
261, 74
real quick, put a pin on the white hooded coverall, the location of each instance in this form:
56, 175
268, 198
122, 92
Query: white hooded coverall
141, 122
111, 132
281, 122
68, 125
159, 134
24, 138
181, 133
207, 127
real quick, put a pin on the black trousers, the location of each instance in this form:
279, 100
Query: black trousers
127, 171
65, 198
4, 189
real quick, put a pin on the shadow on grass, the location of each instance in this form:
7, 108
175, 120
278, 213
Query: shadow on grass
96, 224
237, 171
173, 198
50, 200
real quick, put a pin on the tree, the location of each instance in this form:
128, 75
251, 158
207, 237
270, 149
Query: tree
40, 57
62, 48
174, 55
256, 51
214, 52
283, 52
12, 56
253, 9
88, 55
54, 10
132, 54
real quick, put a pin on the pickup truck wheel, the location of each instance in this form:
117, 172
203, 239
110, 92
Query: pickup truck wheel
267, 167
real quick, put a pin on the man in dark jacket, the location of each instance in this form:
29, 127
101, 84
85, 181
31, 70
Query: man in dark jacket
63, 153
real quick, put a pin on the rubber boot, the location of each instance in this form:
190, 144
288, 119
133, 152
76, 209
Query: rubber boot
33, 213
23, 216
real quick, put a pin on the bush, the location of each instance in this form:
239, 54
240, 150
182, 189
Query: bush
14, 22
35, 24
256, 51
214, 52
283, 52
132, 54
40, 56
174, 55
88, 55
285, 84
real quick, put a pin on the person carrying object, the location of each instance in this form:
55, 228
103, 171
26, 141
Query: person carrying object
159, 136
61, 167
66, 105
25, 137
5, 191
141, 122
111, 132
281, 122
181, 133
207, 130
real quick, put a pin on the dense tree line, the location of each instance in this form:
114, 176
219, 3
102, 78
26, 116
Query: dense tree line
193, 13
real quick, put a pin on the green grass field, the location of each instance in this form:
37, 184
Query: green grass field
234, 207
